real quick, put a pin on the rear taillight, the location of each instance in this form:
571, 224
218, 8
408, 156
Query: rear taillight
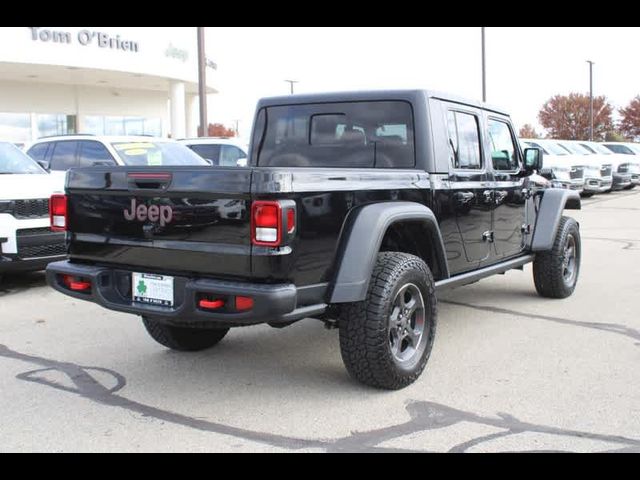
272, 222
58, 213
266, 228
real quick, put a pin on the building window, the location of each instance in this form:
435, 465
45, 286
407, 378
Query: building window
50, 125
15, 127
97, 125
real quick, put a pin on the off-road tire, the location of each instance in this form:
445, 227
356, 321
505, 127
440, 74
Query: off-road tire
183, 339
549, 268
365, 331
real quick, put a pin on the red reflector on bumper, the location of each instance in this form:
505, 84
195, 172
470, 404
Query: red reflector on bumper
75, 284
211, 304
244, 303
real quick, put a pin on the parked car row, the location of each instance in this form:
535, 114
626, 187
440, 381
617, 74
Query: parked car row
588, 167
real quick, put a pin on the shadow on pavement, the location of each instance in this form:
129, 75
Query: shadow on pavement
18, 282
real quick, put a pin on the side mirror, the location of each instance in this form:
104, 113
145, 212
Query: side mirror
533, 160
43, 164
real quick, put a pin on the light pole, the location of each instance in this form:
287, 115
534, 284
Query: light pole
484, 66
292, 83
590, 99
202, 84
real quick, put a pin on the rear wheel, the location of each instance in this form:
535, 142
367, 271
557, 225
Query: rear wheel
556, 272
183, 339
386, 340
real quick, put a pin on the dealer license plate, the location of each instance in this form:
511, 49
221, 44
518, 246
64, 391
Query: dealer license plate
153, 289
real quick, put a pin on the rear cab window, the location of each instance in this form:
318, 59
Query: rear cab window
376, 134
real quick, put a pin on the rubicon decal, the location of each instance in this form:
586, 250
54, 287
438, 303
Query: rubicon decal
153, 213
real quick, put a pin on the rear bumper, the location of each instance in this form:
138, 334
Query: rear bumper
111, 288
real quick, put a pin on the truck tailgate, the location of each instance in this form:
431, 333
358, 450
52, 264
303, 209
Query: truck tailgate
169, 219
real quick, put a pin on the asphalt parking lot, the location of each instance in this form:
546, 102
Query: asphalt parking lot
509, 372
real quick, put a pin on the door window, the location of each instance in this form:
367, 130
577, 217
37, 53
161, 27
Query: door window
208, 152
39, 152
464, 141
92, 153
229, 156
504, 153
64, 156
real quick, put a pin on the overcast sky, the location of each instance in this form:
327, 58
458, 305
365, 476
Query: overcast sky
525, 65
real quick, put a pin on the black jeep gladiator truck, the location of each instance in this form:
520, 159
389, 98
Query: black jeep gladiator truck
355, 209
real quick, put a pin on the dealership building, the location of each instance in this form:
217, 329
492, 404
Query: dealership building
99, 80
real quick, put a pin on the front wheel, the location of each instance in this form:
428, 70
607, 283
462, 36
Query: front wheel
183, 339
556, 272
386, 340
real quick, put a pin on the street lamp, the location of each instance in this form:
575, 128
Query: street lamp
202, 83
484, 66
590, 99
292, 83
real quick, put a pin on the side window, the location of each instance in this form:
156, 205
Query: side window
504, 153
208, 152
39, 152
464, 141
92, 153
64, 156
229, 156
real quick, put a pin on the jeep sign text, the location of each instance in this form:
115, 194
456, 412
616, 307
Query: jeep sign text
153, 213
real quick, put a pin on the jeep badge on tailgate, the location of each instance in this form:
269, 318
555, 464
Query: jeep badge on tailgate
153, 213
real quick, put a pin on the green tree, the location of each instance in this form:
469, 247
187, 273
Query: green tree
567, 117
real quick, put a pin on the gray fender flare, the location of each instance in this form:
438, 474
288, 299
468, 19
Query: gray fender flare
361, 241
554, 202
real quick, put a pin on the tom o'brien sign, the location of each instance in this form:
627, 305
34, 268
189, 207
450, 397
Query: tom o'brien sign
84, 38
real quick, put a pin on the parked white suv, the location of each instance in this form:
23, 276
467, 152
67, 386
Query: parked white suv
26, 240
620, 164
632, 151
563, 169
59, 154
222, 152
